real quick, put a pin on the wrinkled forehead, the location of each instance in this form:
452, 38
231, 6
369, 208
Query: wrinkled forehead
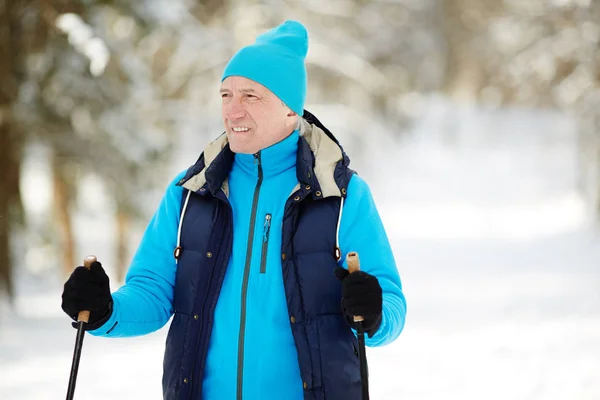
243, 85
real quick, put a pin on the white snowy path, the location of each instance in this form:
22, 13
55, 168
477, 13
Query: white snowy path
501, 275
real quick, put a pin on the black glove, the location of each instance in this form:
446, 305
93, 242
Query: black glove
361, 296
88, 290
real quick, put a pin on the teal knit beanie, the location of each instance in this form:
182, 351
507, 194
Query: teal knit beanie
276, 61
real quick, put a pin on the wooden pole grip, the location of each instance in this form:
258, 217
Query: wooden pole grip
84, 316
353, 262
353, 266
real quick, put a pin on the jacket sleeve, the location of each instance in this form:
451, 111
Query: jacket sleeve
144, 303
361, 230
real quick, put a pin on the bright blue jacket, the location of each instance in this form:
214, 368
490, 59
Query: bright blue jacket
256, 305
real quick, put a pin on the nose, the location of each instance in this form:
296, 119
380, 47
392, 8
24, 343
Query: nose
234, 110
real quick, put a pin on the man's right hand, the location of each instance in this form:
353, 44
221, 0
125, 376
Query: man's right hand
88, 290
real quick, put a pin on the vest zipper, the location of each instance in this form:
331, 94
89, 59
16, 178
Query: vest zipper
210, 278
265, 244
240, 366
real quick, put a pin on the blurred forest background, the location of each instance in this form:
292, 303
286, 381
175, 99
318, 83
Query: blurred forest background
104, 89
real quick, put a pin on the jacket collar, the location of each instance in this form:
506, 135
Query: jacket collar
273, 159
321, 163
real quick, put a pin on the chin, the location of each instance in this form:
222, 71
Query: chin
240, 149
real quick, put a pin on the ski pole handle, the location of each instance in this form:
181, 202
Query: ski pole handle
353, 266
84, 316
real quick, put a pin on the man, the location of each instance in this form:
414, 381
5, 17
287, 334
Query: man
243, 247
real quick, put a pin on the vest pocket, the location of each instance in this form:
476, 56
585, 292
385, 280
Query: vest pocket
265, 244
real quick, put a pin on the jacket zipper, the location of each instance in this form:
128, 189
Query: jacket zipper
265, 244
240, 366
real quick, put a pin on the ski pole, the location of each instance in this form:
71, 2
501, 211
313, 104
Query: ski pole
354, 265
82, 318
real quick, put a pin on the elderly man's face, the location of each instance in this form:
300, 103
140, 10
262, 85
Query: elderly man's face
253, 116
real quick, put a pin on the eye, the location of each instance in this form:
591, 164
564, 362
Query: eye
224, 95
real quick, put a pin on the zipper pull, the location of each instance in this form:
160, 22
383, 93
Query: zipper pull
267, 227
256, 159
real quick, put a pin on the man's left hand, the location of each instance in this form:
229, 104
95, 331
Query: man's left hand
361, 296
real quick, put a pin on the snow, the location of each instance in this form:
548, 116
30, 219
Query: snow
81, 36
499, 265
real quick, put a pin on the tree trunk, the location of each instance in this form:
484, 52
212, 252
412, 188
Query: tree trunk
10, 139
597, 208
122, 235
464, 73
6, 195
62, 214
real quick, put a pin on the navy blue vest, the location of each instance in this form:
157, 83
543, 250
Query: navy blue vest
327, 348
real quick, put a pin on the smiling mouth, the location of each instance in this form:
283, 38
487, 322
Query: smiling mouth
239, 129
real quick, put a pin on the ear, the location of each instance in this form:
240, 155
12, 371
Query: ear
291, 114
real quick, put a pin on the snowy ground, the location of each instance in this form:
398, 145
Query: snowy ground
500, 270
